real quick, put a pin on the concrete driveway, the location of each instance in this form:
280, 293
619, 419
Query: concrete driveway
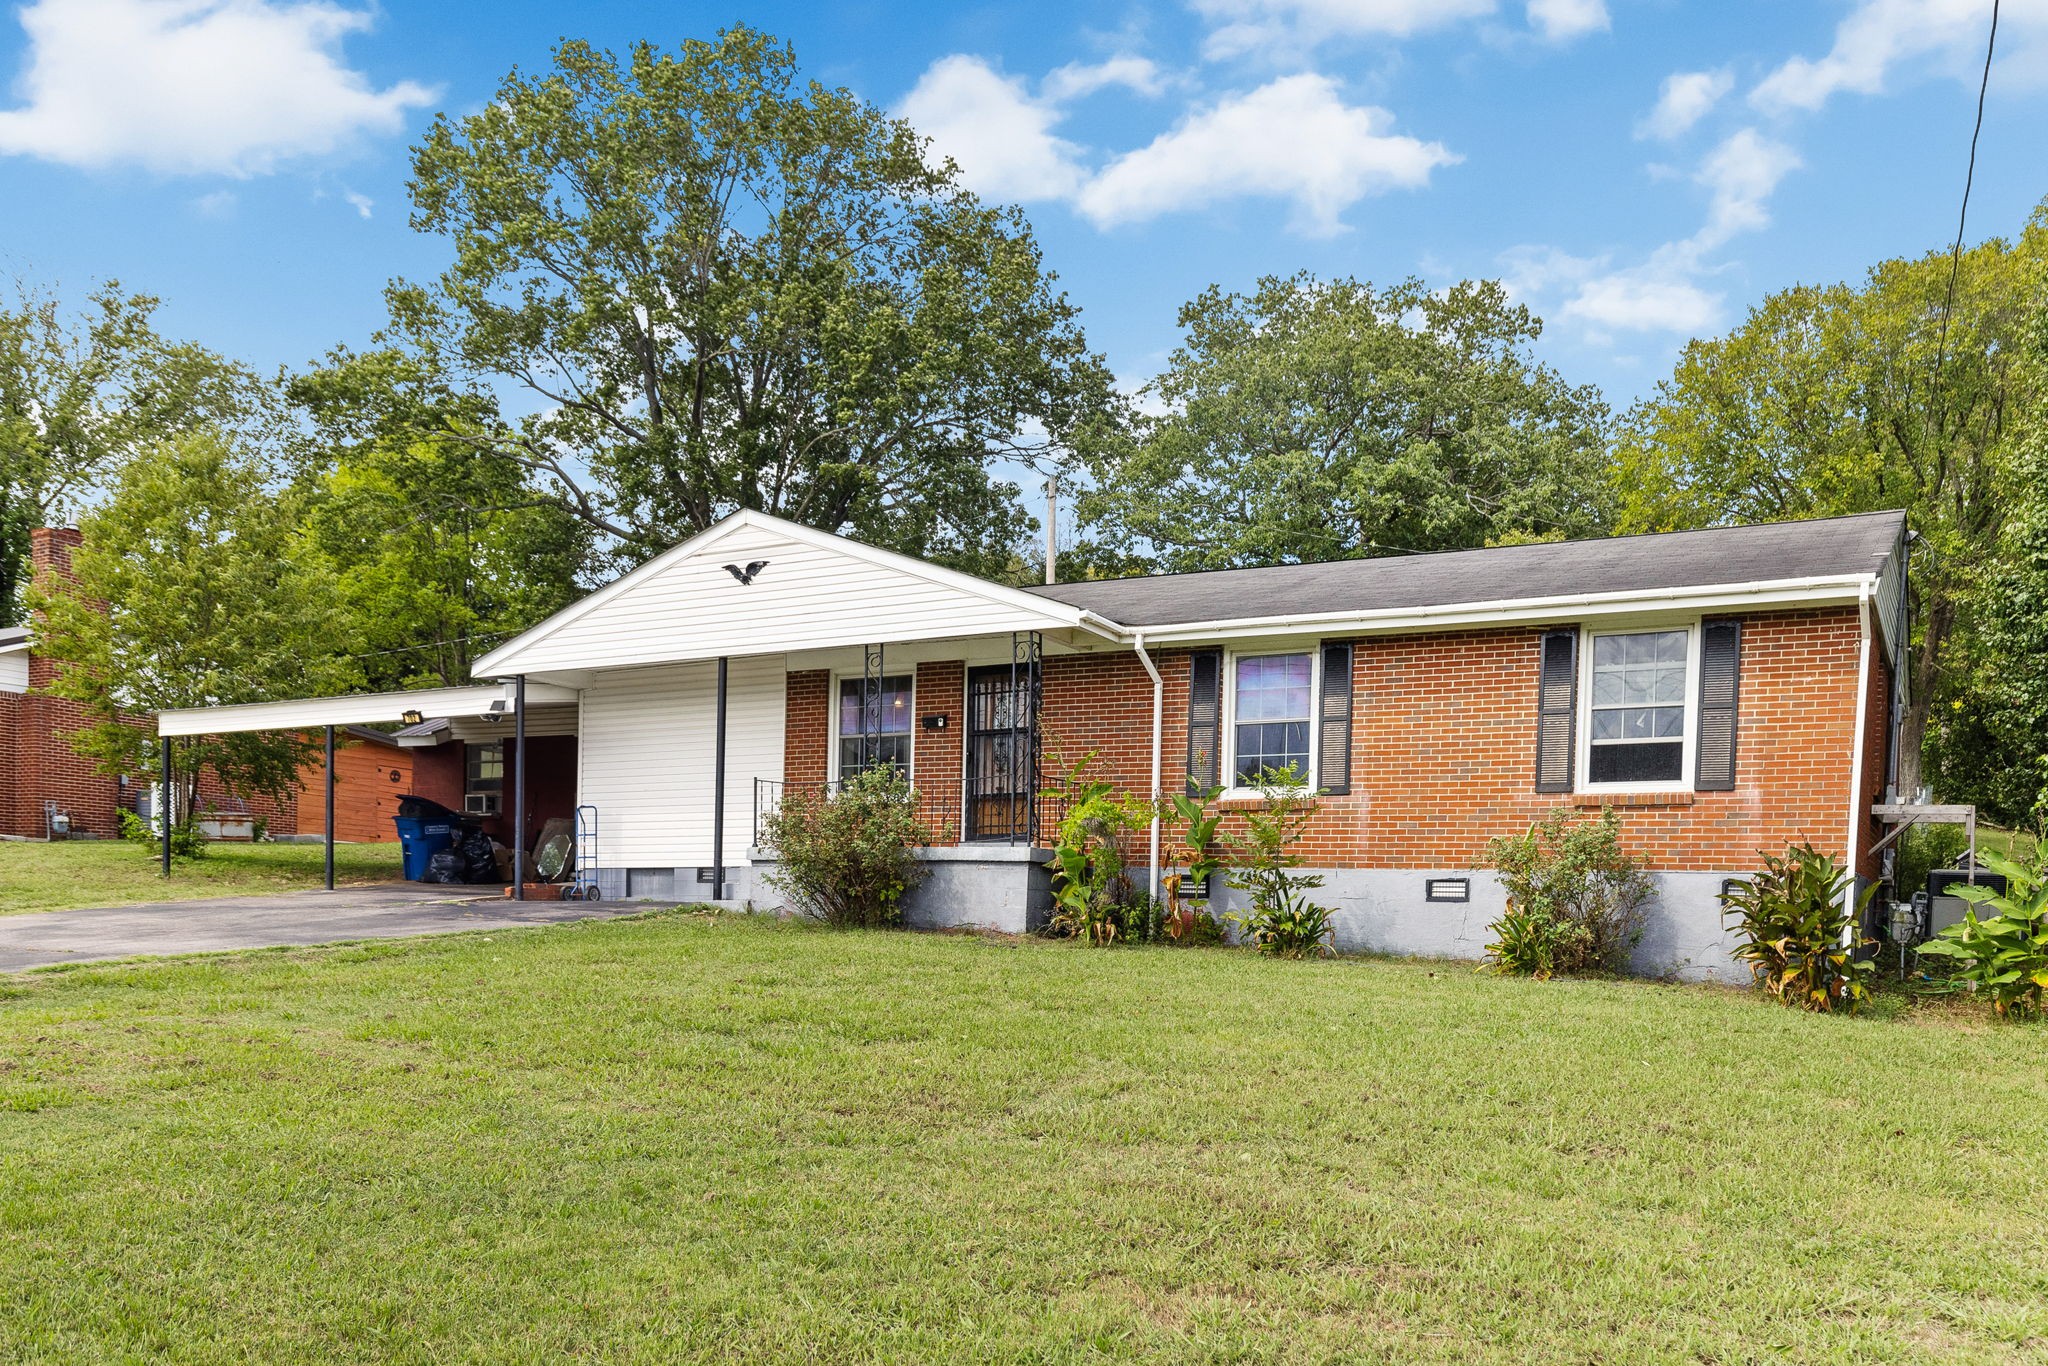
253, 922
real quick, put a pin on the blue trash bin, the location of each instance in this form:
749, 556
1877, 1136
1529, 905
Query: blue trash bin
425, 828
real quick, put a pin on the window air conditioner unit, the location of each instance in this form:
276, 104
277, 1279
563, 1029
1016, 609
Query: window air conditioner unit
480, 804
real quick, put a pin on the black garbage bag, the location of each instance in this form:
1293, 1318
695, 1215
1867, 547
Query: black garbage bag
447, 865
479, 859
417, 808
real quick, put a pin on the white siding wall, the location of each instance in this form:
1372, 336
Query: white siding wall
14, 671
646, 756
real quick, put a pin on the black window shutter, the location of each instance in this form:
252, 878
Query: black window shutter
1333, 717
1557, 707
1205, 719
1720, 691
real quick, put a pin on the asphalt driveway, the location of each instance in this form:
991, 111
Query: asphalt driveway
387, 911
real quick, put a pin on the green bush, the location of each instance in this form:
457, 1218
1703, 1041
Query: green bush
1280, 920
1574, 899
846, 857
2004, 956
1093, 897
1187, 917
187, 841
1796, 923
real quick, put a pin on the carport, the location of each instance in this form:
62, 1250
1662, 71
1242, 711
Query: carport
494, 701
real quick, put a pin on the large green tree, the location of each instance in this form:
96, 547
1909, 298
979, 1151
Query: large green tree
1318, 420
194, 587
441, 544
1839, 399
80, 395
1989, 745
716, 286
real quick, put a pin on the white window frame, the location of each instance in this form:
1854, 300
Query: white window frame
832, 755
1227, 742
1582, 759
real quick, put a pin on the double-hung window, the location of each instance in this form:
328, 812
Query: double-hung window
1272, 704
1636, 708
889, 723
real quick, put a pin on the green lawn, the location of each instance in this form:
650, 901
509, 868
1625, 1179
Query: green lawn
685, 1138
54, 877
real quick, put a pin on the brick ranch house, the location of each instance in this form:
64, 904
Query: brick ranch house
1727, 691
41, 774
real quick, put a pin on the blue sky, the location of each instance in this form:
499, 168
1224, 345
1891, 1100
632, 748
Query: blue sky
1640, 171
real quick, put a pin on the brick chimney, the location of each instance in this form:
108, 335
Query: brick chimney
50, 550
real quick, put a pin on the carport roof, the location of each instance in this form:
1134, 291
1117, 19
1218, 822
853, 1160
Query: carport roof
359, 709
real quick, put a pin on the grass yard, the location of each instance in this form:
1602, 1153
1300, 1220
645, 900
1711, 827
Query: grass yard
680, 1137
53, 877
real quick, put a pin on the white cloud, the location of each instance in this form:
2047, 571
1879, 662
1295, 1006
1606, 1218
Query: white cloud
1879, 35
1683, 100
1665, 292
1251, 26
361, 203
1293, 138
1563, 20
1742, 173
1076, 80
219, 204
1000, 136
194, 86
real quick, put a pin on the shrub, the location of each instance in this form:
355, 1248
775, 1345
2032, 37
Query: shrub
1796, 923
187, 841
1093, 898
847, 858
1280, 921
2004, 956
1575, 900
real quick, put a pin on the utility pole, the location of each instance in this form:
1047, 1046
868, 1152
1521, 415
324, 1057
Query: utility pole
1052, 526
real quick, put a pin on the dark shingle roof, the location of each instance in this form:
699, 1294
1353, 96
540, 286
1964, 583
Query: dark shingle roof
1562, 569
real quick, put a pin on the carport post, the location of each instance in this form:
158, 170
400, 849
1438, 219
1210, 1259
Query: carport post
718, 793
519, 787
163, 803
330, 808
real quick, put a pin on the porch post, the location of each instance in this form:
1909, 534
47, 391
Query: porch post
718, 790
519, 787
330, 808
163, 803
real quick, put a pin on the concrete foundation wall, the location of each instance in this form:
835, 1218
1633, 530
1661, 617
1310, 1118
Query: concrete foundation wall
981, 886
1387, 911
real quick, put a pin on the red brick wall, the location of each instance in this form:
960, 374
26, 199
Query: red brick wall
1444, 749
807, 727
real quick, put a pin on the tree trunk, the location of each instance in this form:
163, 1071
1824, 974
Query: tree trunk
1925, 666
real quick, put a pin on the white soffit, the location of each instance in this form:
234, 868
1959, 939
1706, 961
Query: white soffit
360, 710
812, 591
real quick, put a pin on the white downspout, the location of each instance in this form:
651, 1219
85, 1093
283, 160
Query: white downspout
1158, 731
1856, 815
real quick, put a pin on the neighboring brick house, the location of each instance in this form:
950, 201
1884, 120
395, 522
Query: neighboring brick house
42, 775
1728, 691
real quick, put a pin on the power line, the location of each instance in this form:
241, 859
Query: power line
1955, 262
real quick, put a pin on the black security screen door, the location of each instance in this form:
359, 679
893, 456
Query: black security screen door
1002, 775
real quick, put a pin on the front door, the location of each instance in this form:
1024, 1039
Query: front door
1001, 772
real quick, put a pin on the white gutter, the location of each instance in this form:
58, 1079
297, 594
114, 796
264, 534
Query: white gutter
1856, 815
359, 710
1103, 626
1846, 588
1158, 731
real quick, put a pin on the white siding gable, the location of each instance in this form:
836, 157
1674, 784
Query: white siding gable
815, 591
14, 670
647, 752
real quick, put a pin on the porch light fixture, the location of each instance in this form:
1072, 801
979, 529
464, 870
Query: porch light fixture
411, 718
